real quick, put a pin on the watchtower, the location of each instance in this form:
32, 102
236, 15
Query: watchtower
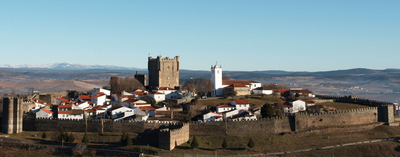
12, 115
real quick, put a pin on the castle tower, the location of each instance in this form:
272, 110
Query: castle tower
163, 72
216, 79
141, 78
12, 115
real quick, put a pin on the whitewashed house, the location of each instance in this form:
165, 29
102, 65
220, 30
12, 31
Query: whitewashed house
212, 116
44, 113
72, 114
262, 91
225, 108
101, 90
156, 96
38, 105
241, 104
293, 106
170, 93
99, 99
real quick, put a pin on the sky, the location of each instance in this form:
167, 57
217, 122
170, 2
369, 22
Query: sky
239, 35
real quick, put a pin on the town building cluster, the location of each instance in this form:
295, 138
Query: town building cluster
163, 85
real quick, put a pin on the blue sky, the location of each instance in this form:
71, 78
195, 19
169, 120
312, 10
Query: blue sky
240, 35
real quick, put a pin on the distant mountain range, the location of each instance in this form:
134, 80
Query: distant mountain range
65, 66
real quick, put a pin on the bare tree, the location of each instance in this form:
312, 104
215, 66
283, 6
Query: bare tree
279, 109
125, 84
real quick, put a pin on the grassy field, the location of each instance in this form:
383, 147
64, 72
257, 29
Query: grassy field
343, 106
366, 150
237, 144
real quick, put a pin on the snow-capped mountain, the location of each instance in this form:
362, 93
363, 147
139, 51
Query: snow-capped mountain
66, 66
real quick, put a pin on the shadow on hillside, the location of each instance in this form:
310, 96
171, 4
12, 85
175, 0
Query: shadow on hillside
184, 147
148, 137
397, 148
206, 149
236, 148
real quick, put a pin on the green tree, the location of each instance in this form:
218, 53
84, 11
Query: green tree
65, 136
195, 143
71, 138
232, 93
44, 135
85, 139
128, 140
267, 110
224, 144
251, 143
123, 138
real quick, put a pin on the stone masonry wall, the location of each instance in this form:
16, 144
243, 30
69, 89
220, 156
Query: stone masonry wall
336, 118
171, 137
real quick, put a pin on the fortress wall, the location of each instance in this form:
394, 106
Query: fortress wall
337, 118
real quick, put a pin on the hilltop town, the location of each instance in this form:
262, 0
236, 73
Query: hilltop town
171, 114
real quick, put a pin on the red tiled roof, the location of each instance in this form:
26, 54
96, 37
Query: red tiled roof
139, 93
129, 101
241, 101
147, 108
141, 104
62, 99
47, 111
129, 96
100, 93
117, 95
155, 93
77, 111
85, 97
64, 112
281, 90
163, 112
225, 105
236, 85
64, 106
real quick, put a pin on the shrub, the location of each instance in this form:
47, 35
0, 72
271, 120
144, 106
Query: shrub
79, 149
195, 143
224, 144
85, 139
123, 138
71, 138
251, 143
128, 140
44, 135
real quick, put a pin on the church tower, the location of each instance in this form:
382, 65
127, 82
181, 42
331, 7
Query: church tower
216, 79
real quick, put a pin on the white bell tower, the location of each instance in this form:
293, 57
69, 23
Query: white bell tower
216, 79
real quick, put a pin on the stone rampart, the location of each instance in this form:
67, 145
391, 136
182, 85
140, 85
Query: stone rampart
336, 118
173, 136
296, 122
261, 126
32, 124
354, 99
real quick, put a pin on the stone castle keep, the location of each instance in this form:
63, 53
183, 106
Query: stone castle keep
163, 72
